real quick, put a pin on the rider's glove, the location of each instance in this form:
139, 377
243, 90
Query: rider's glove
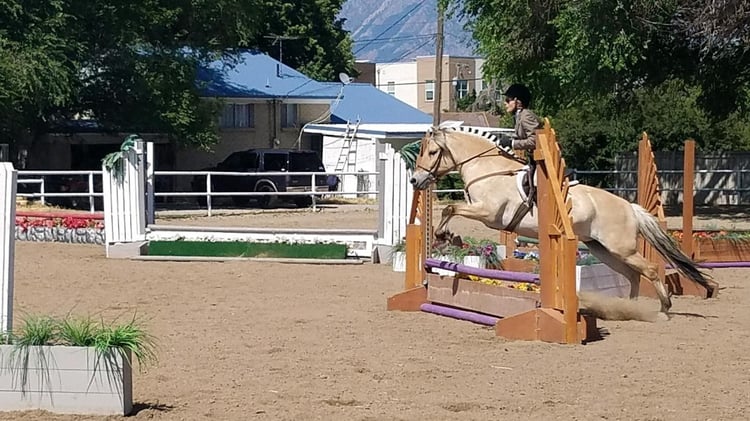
505, 141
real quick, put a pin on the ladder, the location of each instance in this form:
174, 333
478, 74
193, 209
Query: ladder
348, 152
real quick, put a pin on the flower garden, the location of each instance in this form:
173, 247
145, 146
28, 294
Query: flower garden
718, 245
59, 227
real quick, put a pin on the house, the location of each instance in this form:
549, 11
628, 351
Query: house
266, 104
347, 144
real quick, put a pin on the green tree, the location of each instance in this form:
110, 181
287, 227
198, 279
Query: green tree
322, 47
132, 65
606, 70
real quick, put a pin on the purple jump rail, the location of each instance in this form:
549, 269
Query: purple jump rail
713, 265
486, 273
459, 314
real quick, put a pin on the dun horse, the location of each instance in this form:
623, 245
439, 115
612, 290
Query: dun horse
608, 224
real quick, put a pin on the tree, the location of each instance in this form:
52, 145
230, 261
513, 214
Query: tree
322, 48
605, 70
132, 65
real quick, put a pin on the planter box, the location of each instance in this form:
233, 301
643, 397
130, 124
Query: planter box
475, 262
445, 272
519, 265
65, 379
721, 250
398, 260
494, 300
601, 279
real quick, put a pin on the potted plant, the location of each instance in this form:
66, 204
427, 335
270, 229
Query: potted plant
480, 253
72, 365
398, 256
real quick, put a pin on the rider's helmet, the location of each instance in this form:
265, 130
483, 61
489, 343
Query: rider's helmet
520, 92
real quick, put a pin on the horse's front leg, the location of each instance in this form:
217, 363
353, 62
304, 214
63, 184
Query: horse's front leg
473, 211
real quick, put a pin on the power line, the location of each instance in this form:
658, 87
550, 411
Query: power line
404, 16
398, 38
396, 60
474, 79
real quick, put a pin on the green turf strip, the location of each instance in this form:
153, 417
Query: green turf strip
246, 249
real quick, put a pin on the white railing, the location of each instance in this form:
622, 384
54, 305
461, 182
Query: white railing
313, 191
24, 177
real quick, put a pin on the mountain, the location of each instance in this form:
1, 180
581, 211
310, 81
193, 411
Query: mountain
388, 31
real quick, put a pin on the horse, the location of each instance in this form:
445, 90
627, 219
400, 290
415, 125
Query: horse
606, 223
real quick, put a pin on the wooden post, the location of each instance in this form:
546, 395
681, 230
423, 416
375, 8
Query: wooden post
558, 320
688, 189
419, 235
8, 178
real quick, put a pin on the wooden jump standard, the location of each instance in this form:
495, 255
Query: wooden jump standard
558, 319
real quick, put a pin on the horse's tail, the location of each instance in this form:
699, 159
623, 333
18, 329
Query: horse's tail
655, 235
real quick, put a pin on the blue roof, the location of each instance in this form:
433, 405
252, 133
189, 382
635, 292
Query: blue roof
372, 106
256, 75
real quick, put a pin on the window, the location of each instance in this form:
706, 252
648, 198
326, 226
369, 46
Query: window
304, 161
240, 161
391, 89
429, 90
289, 116
274, 161
462, 88
237, 116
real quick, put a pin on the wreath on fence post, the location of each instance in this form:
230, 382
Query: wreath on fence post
113, 161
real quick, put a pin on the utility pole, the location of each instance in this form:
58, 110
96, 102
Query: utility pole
280, 39
438, 65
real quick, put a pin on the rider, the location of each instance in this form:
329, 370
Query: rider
517, 102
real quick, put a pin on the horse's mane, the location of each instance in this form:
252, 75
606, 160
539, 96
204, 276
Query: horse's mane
483, 134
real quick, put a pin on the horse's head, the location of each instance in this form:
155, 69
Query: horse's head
434, 159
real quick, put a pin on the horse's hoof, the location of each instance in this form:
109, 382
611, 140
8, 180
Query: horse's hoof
662, 317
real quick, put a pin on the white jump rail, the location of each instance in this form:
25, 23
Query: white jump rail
360, 242
8, 177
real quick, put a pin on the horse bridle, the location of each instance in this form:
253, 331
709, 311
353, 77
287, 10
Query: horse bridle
433, 170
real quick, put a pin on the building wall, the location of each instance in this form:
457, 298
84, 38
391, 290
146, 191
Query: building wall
461, 68
404, 77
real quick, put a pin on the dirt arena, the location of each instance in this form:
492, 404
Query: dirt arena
260, 341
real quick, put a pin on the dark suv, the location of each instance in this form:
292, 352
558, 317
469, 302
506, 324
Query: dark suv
266, 160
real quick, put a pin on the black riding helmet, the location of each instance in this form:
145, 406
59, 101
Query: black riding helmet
520, 92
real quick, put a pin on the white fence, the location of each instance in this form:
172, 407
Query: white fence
8, 178
39, 178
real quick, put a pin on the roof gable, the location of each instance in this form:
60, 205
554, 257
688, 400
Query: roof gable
256, 75
370, 105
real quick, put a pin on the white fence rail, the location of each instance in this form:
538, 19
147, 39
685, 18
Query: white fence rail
312, 190
738, 193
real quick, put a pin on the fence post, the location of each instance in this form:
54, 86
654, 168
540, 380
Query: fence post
8, 177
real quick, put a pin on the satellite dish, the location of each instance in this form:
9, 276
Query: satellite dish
344, 78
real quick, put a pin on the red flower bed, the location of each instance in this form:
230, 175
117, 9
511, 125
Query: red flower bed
26, 220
